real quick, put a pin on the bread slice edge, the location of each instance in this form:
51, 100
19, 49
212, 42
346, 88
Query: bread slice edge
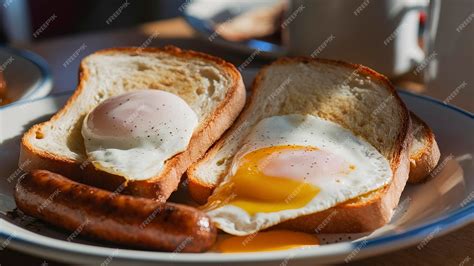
355, 215
424, 160
161, 186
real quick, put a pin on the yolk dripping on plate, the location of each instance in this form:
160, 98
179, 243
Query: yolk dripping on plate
266, 241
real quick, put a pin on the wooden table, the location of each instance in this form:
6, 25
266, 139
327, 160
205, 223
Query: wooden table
456, 248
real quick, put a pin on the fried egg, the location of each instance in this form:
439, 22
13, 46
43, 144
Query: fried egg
293, 165
133, 134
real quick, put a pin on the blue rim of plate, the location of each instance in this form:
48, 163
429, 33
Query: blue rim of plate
39, 62
450, 221
461, 216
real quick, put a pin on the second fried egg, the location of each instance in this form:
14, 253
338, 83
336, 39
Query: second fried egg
293, 165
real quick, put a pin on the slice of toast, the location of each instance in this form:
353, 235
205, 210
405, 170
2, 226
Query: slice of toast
353, 96
424, 151
212, 87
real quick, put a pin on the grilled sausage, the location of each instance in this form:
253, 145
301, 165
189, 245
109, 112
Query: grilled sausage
121, 219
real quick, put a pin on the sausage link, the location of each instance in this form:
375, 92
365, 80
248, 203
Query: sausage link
123, 219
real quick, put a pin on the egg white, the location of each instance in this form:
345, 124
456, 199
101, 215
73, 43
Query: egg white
169, 123
372, 169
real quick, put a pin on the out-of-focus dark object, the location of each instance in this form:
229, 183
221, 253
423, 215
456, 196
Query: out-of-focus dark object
3, 90
32, 20
23, 76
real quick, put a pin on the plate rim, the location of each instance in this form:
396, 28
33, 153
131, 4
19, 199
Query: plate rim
451, 221
42, 66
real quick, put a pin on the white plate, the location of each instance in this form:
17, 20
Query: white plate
428, 210
27, 74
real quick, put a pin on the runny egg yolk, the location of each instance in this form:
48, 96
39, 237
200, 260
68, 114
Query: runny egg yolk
266, 241
278, 178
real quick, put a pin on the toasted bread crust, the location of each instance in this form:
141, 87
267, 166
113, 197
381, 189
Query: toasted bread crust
201, 191
159, 187
425, 160
353, 216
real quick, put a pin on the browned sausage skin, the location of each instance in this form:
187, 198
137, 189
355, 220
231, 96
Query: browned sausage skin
121, 219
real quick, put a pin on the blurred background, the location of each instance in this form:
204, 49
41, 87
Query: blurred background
20, 18
425, 46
